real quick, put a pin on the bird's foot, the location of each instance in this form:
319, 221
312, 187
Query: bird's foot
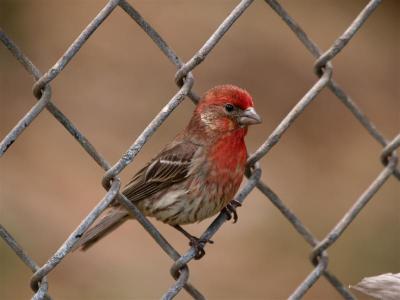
230, 210
198, 245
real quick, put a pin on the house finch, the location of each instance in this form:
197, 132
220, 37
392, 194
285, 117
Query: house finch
197, 174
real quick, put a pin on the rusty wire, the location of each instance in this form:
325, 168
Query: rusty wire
184, 79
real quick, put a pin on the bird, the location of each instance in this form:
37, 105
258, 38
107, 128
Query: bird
196, 175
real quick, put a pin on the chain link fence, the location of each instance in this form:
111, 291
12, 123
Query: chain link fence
184, 79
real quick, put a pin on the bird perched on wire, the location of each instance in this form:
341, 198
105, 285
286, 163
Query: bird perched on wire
196, 175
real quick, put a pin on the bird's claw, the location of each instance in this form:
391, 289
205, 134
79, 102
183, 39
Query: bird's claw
230, 210
198, 245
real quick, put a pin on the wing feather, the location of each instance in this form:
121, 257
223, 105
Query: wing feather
172, 165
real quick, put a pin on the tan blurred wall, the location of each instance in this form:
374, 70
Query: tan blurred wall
119, 81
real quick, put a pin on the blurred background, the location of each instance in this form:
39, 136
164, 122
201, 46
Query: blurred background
117, 83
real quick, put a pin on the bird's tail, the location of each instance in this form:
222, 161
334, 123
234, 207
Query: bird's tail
111, 221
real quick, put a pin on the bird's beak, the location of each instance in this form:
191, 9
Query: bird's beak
249, 117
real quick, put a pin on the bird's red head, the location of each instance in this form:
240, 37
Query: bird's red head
223, 94
226, 108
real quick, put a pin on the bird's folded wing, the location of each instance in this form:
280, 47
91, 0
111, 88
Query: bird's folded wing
171, 166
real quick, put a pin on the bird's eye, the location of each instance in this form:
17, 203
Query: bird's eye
229, 107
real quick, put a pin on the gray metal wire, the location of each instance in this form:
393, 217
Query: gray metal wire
184, 79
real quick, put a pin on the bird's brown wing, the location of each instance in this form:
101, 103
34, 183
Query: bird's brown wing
169, 167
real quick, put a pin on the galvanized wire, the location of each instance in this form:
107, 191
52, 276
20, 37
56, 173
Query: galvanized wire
184, 79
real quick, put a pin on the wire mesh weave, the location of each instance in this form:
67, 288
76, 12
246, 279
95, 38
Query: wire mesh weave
184, 79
